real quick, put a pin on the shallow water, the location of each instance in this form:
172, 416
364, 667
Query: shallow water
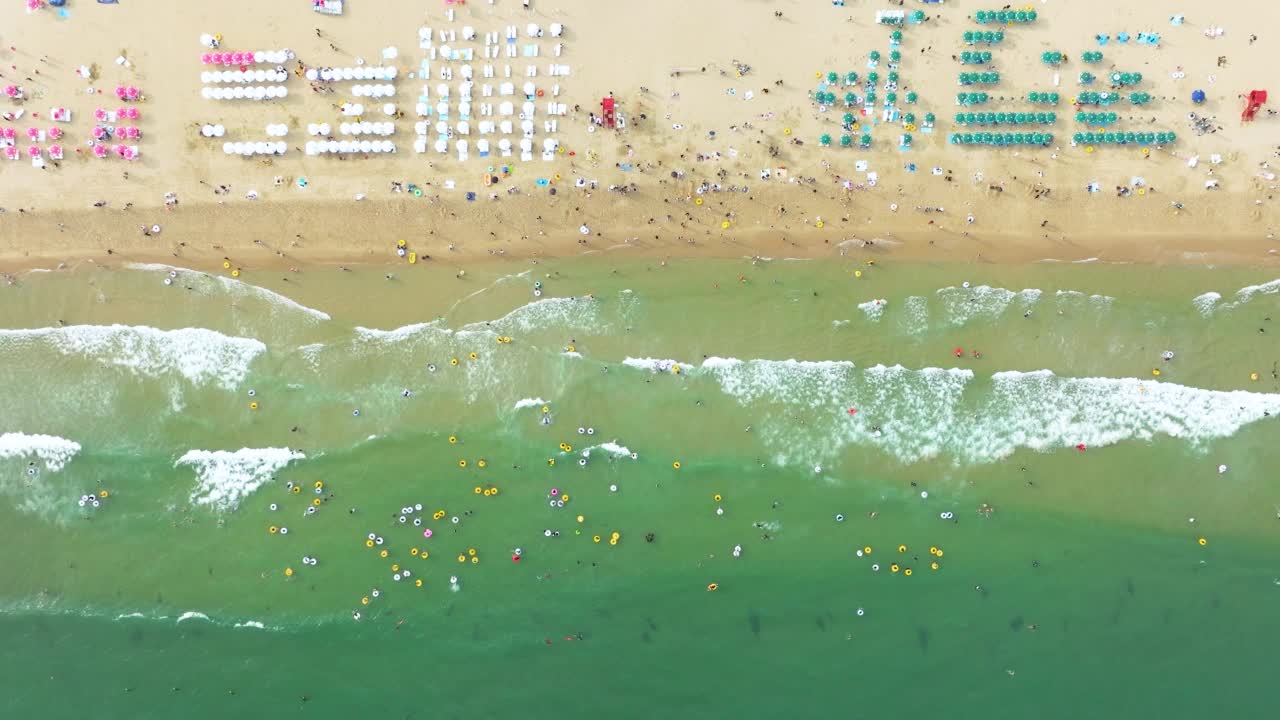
744, 373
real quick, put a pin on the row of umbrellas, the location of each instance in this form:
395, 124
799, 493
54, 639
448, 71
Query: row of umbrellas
128, 92
1000, 139
847, 141
1043, 98
1124, 138
125, 152
1095, 98
321, 147
975, 57
1092, 57
987, 37
973, 98
985, 78
243, 76
8, 133
213, 130
366, 128
249, 149
34, 151
1000, 118
1124, 78
351, 73
1052, 57
102, 132
103, 114
982, 17
239, 92
1100, 118
275, 57
484, 127
375, 91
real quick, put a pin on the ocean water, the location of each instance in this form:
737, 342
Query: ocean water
752, 425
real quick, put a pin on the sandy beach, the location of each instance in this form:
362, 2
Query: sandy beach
676, 72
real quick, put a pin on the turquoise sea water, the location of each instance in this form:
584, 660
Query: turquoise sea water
1070, 582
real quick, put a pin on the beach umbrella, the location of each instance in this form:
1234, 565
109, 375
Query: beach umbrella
891, 97
909, 118
865, 141
825, 140
846, 141
1078, 138
850, 98
917, 16
980, 16
833, 77
873, 77
847, 119
954, 138
850, 78
929, 118
1197, 96
894, 56
874, 55
896, 36
912, 97
968, 36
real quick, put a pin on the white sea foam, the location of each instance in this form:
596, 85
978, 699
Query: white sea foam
401, 334
251, 624
653, 364
572, 354
192, 615
915, 415
199, 355
873, 309
529, 402
224, 478
612, 448
235, 287
55, 452
563, 313
963, 305
1207, 303
914, 317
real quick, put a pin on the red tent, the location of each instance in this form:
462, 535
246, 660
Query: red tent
609, 119
1256, 100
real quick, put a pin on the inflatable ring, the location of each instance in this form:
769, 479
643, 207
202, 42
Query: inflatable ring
1203, 541
418, 582
453, 361
933, 550
364, 600
296, 489
226, 265
675, 369
1253, 376
819, 224
716, 497
413, 552
235, 273
316, 502
1155, 372
383, 554
540, 92
288, 572
417, 192
368, 543
697, 201
934, 565
560, 150
395, 567
713, 587
907, 572
485, 492
545, 409
571, 348
1142, 191
902, 548
724, 225
253, 406
400, 243
478, 490
437, 515
893, 568
273, 529
613, 541
462, 463
462, 558
319, 485
676, 465
866, 550
595, 538
493, 490
481, 463
475, 561
473, 356
471, 552
551, 462
424, 554
104, 494
786, 131
557, 176
453, 440
939, 553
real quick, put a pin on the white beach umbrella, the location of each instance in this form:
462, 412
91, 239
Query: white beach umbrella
366, 145
366, 126
442, 90
207, 130
506, 88
442, 146
228, 148
527, 110
529, 89
482, 147
326, 74
504, 145
464, 109
420, 145
259, 56
344, 128
259, 92
282, 92
505, 127
312, 74
442, 127
420, 127
506, 108
325, 129
207, 93
389, 73
310, 147
237, 92
219, 130
348, 73
332, 146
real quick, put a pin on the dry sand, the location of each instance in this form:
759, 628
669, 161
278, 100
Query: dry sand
622, 47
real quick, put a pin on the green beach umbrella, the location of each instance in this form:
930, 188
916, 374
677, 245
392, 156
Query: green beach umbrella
845, 141
848, 118
850, 98
1078, 138
833, 77
893, 76
894, 56
906, 138
865, 141
968, 36
912, 97
824, 140
873, 77
874, 55
891, 97
909, 118
896, 36
851, 78
929, 118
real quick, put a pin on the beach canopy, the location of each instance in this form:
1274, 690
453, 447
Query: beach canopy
1197, 96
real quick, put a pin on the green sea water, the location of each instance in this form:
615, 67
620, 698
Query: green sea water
1071, 582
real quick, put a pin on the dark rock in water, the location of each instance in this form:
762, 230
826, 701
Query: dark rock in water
753, 620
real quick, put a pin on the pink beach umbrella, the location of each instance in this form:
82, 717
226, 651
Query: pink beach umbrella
132, 92
34, 4
11, 153
131, 133
55, 150
100, 150
99, 132
8, 133
55, 133
120, 91
33, 133
128, 154
34, 151
132, 113
11, 90
119, 149
206, 58
100, 114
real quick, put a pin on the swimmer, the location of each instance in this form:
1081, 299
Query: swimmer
406, 393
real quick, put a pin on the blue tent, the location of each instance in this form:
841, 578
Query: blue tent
1197, 96
57, 3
